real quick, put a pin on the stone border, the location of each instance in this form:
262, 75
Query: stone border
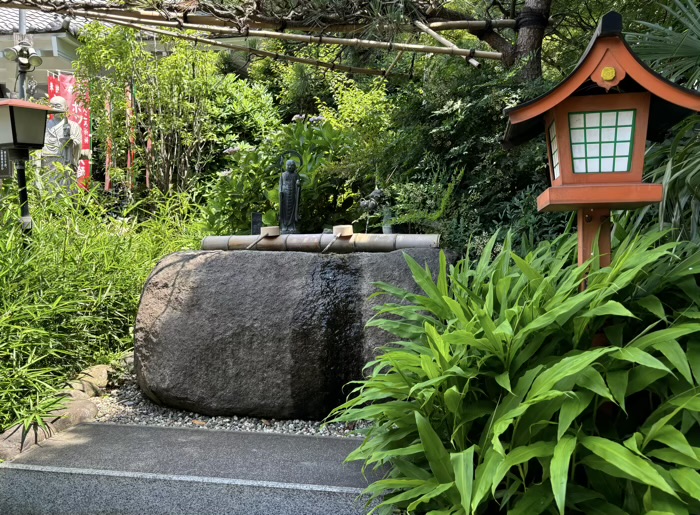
90, 383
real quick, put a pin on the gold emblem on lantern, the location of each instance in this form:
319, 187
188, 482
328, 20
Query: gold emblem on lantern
608, 74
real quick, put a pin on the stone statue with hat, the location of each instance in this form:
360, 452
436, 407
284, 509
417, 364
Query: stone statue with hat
62, 144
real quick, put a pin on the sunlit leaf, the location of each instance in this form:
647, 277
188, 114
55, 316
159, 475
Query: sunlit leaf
623, 459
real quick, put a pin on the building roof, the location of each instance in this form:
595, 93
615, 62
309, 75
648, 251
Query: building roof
670, 103
39, 22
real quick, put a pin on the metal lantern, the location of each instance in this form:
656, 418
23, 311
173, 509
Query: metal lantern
22, 128
22, 124
596, 123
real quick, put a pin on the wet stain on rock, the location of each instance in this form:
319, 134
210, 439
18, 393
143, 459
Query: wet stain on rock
326, 336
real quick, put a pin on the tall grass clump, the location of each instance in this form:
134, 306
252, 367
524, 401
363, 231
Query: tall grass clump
69, 294
511, 389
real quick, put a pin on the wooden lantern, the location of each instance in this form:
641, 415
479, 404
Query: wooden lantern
596, 123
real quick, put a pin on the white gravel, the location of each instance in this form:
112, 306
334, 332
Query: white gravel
126, 404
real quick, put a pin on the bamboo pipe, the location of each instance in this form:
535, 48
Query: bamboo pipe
318, 242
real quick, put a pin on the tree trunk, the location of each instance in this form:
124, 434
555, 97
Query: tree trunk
532, 24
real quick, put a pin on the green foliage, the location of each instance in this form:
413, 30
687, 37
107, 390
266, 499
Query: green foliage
675, 163
364, 116
68, 296
237, 194
295, 86
185, 112
510, 386
252, 184
448, 136
673, 50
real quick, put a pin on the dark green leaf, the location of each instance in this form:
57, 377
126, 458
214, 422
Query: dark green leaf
640, 357
674, 353
572, 407
535, 501
652, 304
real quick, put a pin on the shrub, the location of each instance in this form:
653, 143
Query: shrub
252, 183
185, 112
69, 295
512, 388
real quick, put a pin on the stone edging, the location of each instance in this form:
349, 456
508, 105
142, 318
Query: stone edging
90, 383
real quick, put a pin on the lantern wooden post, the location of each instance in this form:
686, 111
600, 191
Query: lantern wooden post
594, 224
596, 124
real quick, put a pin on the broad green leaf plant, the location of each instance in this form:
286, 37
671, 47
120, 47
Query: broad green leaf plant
511, 388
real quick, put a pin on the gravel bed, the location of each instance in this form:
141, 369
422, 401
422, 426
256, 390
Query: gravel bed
126, 404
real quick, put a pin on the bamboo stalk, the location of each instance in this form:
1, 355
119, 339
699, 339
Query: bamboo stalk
318, 242
321, 40
444, 41
475, 25
255, 51
383, 45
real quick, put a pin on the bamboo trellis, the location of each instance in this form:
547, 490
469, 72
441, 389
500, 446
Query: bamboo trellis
319, 40
156, 22
255, 51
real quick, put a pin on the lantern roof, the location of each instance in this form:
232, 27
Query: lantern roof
670, 103
13, 102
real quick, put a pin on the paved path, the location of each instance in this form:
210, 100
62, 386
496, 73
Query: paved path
116, 469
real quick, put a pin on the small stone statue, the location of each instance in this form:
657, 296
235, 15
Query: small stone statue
290, 195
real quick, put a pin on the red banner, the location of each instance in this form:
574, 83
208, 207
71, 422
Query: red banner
63, 85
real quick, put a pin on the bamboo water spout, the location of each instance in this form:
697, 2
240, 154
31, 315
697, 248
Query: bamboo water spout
341, 242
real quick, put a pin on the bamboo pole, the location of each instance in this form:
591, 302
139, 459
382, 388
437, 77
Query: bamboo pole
321, 40
437, 37
255, 51
365, 43
475, 25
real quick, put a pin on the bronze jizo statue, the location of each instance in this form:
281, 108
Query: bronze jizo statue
290, 196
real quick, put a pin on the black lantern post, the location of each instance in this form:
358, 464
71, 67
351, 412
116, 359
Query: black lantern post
22, 128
